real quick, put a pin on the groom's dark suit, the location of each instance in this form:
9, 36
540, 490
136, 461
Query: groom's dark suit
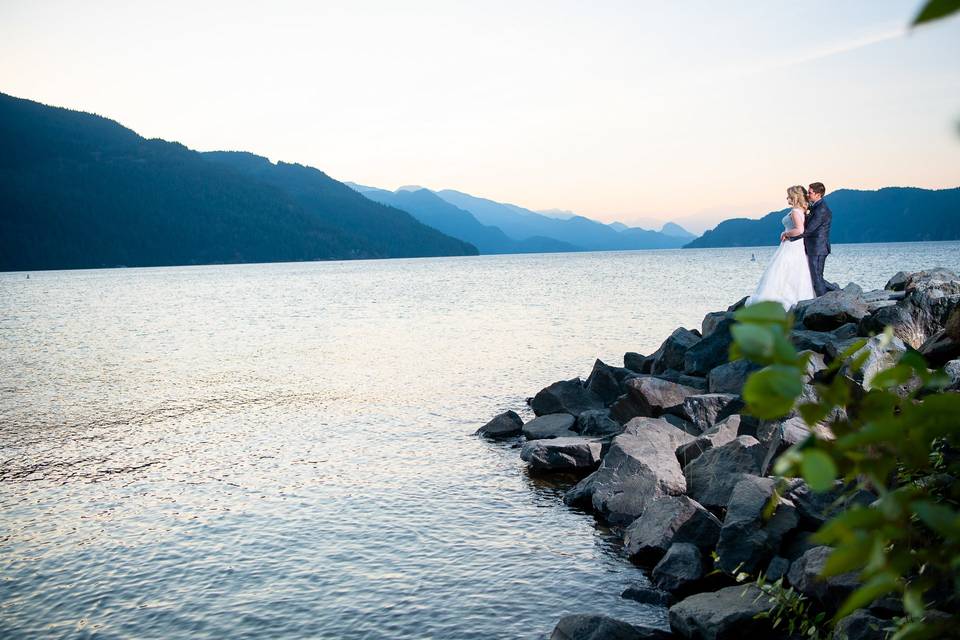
816, 241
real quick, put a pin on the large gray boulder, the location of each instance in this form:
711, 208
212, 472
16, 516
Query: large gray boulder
667, 520
748, 541
655, 397
711, 352
635, 362
822, 341
879, 356
597, 423
861, 625
952, 369
679, 569
706, 409
728, 614
553, 425
671, 352
816, 507
607, 381
640, 465
576, 455
712, 320
730, 377
833, 309
805, 577
506, 425
591, 626
779, 435
716, 436
565, 396
712, 476
929, 297
648, 595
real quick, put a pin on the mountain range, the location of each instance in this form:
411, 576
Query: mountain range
78, 190
892, 214
498, 227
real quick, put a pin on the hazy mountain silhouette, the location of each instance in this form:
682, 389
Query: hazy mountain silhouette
430, 209
676, 231
78, 190
520, 223
892, 214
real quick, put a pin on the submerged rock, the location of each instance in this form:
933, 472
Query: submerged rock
506, 425
562, 454
590, 626
553, 425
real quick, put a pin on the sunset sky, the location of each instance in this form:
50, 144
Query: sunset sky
629, 111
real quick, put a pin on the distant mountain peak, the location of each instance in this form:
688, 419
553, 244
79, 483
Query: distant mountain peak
674, 230
411, 187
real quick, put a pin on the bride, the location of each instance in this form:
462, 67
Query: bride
787, 278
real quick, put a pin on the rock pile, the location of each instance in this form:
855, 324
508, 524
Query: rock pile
666, 454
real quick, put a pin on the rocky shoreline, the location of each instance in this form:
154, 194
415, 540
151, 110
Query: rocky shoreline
666, 455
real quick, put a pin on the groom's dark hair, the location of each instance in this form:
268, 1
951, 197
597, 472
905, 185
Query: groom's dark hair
817, 187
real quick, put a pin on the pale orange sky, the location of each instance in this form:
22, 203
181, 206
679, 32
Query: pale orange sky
630, 111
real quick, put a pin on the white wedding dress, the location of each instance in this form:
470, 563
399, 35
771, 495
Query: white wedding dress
787, 278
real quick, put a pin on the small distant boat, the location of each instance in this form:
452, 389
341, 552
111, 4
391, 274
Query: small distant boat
753, 257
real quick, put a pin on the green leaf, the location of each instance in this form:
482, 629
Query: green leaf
771, 392
755, 342
935, 10
818, 469
846, 558
762, 313
812, 413
940, 518
877, 586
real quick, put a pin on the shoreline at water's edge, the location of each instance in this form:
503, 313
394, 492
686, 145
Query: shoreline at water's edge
666, 454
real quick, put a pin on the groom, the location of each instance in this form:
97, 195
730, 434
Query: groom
816, 237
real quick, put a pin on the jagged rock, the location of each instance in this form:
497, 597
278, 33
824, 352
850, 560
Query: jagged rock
648, 595
590, 626
776, 568
655, 396
727, 614
712, 320
552, 425
716, 436
634, 361
929, 297
506, 425
833, 309
879, 357
705, 410
684, 425
944, 345
747, 542
815, 364
626, 408
712, 476
597, 422
898, 282
739, 304
696, 382
665, 521
730, 377
679, 569
671, 352
796, 544
565, 396
822, 341
861, 625
816, 507
804, 575
778, 436
641, 465
607, 381
710, 352
562, 454
952, 369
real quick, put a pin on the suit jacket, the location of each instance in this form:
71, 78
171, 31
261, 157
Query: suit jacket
816, 231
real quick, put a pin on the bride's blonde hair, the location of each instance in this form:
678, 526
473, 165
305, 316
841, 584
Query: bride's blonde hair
798, 197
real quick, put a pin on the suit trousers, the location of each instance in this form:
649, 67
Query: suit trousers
816, 263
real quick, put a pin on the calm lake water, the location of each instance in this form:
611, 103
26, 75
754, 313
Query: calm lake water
286, 450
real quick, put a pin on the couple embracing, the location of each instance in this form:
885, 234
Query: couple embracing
796, 271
